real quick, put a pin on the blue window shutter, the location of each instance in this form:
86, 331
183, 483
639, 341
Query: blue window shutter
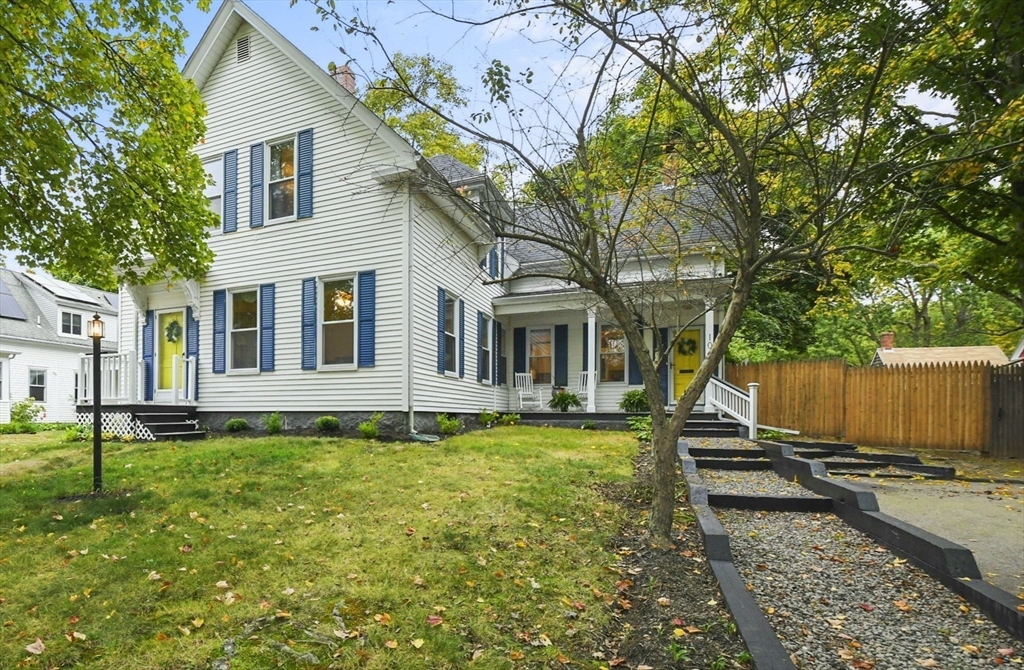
440, 329
147, 355
305, 181
562, 355
367, 306
220, 321
586, 346
663, 370
267, 327
309, 323
256, 185
519, 350
229, 219
479, 350
492, 258
192, 345
462, 339
635, 378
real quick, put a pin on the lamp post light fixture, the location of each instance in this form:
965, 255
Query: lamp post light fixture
96, 333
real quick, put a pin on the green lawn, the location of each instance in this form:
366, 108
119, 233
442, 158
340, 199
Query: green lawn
384, 555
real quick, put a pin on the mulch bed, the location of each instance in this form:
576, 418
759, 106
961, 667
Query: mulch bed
668, 612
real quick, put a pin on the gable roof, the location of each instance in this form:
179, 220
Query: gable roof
231, 15
672, 217
925, 355
454, 170
28, 293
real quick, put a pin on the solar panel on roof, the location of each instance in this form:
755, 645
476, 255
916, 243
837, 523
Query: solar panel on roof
62, 289
9, 307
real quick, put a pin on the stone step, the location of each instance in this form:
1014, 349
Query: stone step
733, 463
724, 452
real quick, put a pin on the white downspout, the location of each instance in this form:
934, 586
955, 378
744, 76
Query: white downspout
592, 341
409, 389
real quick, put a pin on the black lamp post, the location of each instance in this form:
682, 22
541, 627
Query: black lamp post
96, 333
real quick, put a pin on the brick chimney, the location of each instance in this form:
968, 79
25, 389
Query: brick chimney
887, 340
343, 75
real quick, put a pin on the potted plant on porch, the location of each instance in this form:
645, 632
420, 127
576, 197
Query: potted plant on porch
563, 401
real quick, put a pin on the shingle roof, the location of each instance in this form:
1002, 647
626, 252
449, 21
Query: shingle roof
453, 169
36, 326
675, 223
925, 355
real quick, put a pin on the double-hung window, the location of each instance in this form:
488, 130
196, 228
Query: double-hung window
540, 355
613, 354
485, 349
244, 331
71, 324
338, 315
281, 179
37, 385
214, 191
451, 335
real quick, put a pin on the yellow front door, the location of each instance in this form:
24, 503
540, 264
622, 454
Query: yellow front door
171, 338
686, 360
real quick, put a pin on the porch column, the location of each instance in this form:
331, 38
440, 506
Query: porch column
709, 328
592, 360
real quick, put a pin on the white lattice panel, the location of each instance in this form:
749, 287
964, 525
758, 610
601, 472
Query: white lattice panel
118, 423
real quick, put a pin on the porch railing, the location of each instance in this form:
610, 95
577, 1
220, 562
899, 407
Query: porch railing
731, 400
123, 379
119, 378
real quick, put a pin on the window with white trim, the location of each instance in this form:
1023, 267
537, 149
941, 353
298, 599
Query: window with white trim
37, 385
338, 321
71, 324
214, 191
613, 354
540, 355
281, 179
451, 334
243, 333
485, 350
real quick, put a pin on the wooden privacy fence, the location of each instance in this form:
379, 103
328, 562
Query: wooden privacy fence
954, 406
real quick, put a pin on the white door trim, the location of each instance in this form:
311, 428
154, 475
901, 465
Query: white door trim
163, 395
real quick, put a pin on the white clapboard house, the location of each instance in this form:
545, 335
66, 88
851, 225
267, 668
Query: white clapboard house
341, 288
43, 336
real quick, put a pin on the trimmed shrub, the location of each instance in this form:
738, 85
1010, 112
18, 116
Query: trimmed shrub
236, 425
634, 400
274, 423
17, 428
448, 425
370, 429
327, 424
510, 419
25, 411
487, 417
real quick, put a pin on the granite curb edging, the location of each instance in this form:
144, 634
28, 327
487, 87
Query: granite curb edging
763, 644
950, 563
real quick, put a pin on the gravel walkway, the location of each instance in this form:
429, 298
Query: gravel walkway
721, 442
838, 600
752, 483
880, 472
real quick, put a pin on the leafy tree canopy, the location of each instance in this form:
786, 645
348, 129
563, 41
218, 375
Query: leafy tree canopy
393, 98
97, 128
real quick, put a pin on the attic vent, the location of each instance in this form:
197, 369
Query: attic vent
242, 49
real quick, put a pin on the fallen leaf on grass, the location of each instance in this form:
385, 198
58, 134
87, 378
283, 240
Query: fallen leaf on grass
36, 647
155, 576
391, 644
220, 585
516, 655
198, 622
383, 619
283, 615
417, 643
434, 620
288, 591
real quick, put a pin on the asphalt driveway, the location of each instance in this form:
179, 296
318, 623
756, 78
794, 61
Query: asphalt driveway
986, 518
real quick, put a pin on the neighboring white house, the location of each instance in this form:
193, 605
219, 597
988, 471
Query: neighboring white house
340, 285
42, 338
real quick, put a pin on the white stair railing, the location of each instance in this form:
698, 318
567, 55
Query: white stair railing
117, 378
731, 400
183, 379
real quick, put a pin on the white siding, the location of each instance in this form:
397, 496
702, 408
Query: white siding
60, 363
357, 225
444, 256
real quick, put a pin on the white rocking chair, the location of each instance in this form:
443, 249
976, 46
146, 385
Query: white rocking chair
528, 397
583, 388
